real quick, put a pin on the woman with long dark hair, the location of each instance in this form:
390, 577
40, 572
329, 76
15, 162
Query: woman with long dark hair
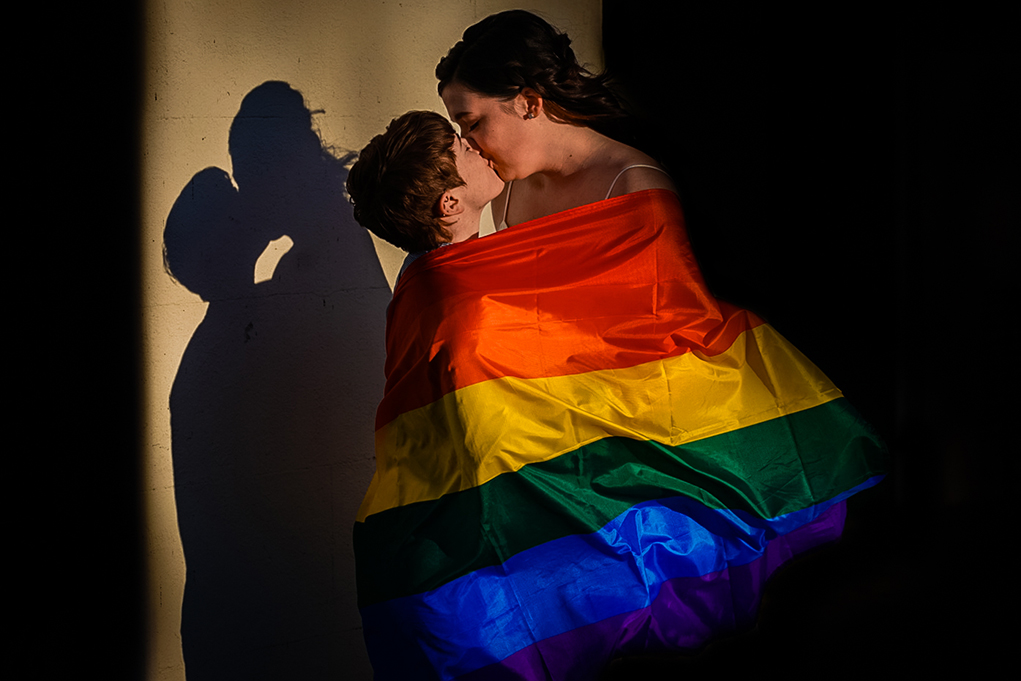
550, 128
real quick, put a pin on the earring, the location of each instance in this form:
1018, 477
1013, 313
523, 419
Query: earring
530, 116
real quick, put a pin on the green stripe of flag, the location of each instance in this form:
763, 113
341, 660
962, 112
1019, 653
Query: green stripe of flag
769, 469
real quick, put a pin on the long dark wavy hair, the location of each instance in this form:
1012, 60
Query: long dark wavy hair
516, 49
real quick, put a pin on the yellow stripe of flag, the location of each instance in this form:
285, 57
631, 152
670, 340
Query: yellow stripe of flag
471, 436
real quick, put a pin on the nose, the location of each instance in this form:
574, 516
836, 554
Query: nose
473, 144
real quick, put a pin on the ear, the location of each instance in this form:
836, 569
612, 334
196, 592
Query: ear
532, 102
450, 203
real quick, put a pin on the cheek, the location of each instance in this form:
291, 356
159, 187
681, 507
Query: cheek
492, 146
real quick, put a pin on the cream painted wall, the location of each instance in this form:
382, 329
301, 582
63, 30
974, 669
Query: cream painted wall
305, 410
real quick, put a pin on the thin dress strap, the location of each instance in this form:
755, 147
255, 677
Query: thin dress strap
637, 165
510, 185
506, 205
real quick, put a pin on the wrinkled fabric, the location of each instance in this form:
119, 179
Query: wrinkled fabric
581, 453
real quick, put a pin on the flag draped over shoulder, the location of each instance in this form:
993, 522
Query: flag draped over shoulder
581, 453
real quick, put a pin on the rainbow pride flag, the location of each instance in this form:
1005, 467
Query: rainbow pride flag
582, 454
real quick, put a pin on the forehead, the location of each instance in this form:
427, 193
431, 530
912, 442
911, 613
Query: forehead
462, 102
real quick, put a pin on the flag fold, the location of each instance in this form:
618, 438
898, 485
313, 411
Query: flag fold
581, 453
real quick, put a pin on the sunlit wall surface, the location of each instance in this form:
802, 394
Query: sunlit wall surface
263, 353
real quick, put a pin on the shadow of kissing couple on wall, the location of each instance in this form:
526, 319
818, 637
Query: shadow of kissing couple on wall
272, 406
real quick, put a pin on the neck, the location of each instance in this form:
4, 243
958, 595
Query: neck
572, 149
464, 226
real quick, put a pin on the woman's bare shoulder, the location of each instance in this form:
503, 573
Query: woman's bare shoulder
639, 171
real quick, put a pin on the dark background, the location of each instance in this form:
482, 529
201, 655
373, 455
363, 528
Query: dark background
847, 173
79, 343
